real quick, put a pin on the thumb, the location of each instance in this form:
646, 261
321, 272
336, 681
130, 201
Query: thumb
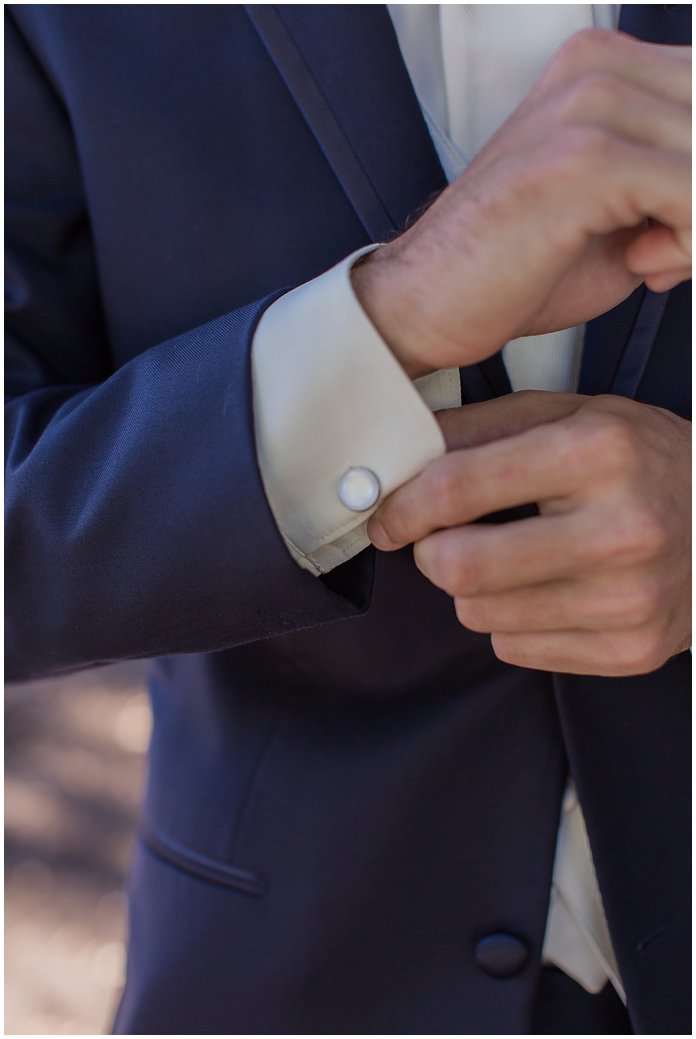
659, 249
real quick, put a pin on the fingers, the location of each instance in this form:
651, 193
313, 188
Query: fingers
483, 559
659, 257
607, 653
625, 118
645, 182
468, 485
629, 600
659, 185
656, 251
596, 456
639, 180
482, 423
667, 280
632, 111
664, 70
649, 120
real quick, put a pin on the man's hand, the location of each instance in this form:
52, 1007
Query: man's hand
599, 582
584, 192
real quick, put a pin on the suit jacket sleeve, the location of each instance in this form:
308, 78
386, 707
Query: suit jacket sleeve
137, 523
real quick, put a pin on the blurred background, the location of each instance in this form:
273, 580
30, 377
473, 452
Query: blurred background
74, 755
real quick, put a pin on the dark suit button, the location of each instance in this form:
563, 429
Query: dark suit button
501, 955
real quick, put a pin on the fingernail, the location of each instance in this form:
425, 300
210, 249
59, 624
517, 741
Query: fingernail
377, 534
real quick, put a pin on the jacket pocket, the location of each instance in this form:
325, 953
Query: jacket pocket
212, 870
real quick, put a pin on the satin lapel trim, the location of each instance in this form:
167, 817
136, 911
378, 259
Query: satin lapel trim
343, 67
320, 119
636, 355
344, 70
606, 337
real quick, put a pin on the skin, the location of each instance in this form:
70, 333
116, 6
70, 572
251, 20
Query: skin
599, 582
582, 194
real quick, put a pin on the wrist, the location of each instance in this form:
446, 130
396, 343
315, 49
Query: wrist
383, 296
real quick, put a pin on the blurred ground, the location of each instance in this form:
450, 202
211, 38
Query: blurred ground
74, 754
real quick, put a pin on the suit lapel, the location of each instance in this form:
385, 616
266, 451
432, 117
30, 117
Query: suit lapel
342, 65
606, 338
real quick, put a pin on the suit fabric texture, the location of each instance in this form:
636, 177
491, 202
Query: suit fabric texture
347, 792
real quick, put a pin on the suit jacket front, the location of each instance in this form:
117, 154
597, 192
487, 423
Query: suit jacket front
347, 792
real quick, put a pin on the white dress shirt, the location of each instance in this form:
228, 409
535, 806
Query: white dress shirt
339, 425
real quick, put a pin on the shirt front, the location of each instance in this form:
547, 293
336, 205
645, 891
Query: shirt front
331, 403
471, 65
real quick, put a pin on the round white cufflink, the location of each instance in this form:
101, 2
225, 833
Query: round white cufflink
359, 489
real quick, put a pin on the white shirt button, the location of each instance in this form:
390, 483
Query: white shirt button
359, 489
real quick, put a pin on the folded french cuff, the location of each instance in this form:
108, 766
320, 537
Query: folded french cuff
329, 396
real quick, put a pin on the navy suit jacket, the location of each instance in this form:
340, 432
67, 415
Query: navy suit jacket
347, 792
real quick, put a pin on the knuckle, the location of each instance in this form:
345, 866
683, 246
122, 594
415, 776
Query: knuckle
643, 536
441, 560
582, 146
445, 489
474, 614
467, 574
609, 442
445, 571
426, 556
458, 570
653, 653
516, 649
579, 49
507, 650
599, 549
394, 522
582, 52
639, 605
599, 86
637, 535
591, 94
640, 652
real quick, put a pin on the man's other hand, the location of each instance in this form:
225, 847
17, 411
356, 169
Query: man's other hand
599, 582
584, 192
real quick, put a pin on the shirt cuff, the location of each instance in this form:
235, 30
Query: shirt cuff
329, 397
